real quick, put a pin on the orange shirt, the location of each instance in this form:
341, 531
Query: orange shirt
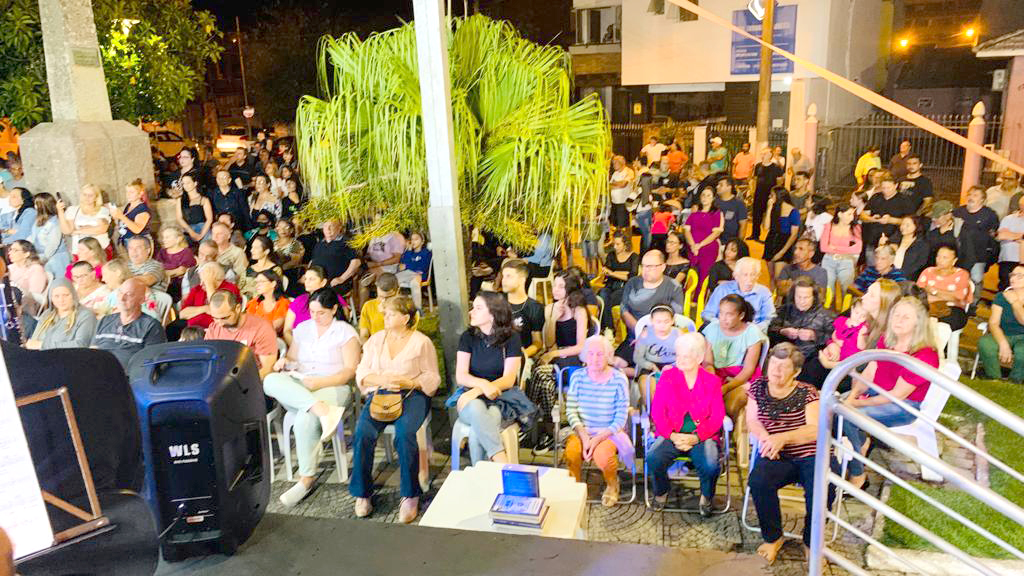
676, 160
742, 165
280, 310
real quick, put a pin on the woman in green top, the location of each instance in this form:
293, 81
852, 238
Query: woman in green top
66, 324
734, 350
1004, 342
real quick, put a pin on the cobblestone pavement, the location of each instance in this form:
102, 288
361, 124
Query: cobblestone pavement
626, 523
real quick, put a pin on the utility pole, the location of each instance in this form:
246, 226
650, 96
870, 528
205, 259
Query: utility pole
245, 91
764, 84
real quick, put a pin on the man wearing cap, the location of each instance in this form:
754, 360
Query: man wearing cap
717, 161
945, 228
1004, 197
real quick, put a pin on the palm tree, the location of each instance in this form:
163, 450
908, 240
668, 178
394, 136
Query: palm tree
528, 160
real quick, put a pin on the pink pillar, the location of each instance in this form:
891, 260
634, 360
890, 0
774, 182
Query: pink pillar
1013, 111
972, 160
811, 139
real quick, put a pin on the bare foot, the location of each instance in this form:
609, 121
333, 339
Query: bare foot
769, 550
858, 480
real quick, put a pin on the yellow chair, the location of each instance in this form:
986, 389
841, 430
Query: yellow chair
691, 286
702, 298
828, 296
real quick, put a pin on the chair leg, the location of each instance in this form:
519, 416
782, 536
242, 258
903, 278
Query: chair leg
285, 444
510, 440
927, 442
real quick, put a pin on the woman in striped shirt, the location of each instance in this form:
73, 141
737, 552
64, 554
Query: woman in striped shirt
596, 406
782, 415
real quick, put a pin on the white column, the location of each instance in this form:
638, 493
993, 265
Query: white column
444, 216
700, 144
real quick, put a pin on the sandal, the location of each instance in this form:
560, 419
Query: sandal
610, 497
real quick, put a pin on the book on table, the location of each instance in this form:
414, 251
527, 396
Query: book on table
529, 527
522, 509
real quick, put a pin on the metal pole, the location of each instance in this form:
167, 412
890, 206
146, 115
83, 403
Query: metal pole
764, 84
245, 91
444, 216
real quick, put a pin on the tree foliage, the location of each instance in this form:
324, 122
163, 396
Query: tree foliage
528, 159
154, 55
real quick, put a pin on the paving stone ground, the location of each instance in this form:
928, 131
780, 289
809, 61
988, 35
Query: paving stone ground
625, 523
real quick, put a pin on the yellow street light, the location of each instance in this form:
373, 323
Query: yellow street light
969, 32
904, 42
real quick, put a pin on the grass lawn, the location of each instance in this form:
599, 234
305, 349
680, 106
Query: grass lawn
1001, 443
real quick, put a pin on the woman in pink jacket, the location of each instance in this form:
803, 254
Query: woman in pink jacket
687, 412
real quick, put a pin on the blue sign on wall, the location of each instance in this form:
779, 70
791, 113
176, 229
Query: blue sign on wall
746, 54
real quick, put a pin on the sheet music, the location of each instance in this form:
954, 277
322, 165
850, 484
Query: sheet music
22, 510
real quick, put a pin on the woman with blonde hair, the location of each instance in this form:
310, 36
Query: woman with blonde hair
908, 331
89, 219
67, 324
133, 220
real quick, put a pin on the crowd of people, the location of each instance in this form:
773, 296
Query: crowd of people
235, 264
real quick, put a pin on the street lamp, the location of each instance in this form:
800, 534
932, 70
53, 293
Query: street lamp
969, 32
904, 42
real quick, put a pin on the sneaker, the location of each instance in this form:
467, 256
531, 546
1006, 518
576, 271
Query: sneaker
544, 445
295, 494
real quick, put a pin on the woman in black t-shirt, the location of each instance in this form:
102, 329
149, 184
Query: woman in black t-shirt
488, 361
620, 265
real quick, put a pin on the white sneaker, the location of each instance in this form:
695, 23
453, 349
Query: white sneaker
295, 494
329, 422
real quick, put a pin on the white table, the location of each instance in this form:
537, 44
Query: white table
465, 498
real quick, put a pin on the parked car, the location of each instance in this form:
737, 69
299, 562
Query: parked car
231, 138
168, 143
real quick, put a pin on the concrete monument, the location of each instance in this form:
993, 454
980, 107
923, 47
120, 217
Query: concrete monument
83, 144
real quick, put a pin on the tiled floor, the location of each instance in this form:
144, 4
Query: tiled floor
626, 523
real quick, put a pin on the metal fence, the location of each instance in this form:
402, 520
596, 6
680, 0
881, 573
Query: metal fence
628, 139
925, 428
841, 146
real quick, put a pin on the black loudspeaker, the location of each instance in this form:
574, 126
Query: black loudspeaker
202, 413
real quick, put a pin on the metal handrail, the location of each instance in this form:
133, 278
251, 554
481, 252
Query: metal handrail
831, 406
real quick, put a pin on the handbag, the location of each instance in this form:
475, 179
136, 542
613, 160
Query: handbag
387, 406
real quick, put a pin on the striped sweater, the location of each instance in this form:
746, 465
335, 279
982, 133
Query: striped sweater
597, 406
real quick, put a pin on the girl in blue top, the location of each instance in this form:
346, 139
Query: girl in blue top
414, 267
783, 222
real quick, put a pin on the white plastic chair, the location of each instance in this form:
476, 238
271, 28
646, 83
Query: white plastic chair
922, 430
509, 440
425, 442
337, 443
943, 334
548, 280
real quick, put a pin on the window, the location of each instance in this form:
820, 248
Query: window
656, 7
685, 15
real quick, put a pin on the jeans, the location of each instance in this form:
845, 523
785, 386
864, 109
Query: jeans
765, 480
889, 415
988, 349
612, 296
413, 281
414, 411
978, 277
297, 398
704, 457
643, 222
484, 429
839, 267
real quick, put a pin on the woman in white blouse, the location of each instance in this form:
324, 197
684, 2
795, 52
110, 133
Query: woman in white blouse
397, 360
89, 219
319, 364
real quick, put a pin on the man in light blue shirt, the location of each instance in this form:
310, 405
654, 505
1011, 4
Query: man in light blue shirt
745, 284
542, 257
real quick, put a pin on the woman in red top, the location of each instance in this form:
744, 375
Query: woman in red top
909, 332
948, 284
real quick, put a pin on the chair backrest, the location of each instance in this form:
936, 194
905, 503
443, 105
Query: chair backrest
164, 304
937, 396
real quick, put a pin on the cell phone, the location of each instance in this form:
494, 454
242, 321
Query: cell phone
60, 197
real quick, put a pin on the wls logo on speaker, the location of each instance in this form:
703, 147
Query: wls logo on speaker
181, 450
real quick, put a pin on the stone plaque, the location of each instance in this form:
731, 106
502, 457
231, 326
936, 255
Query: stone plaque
88, 57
